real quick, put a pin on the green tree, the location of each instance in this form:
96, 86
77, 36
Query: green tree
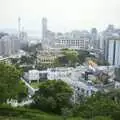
14, 60
82, 55
100, 104
10, 84
66, 112
27, 60
114, 95
53, 96
69, 58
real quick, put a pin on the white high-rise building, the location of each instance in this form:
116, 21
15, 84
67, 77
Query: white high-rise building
113, 51
44, 32
101, 39
9, 45
117, 53
44, 28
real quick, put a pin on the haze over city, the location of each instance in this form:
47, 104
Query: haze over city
62, 15
59, 60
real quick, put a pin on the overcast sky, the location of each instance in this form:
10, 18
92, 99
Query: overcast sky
62, 15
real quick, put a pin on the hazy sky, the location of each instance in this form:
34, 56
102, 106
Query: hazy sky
62, 15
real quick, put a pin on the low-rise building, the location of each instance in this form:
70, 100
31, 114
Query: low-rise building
75, 78
59, 73
48, 56
32, 75
73, 40
35, 76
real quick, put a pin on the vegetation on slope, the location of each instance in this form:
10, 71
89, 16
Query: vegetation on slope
10, 83
52, 96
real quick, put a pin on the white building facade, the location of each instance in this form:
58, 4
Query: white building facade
73, 40
117, 53
9, 45
32, 75
114, 52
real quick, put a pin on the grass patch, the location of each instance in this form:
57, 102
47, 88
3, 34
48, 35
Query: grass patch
9, 113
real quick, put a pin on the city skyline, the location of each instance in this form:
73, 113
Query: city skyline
62, 15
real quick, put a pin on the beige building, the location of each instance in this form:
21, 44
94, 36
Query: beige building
48, 56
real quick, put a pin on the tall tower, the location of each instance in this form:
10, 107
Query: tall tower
44, 30
19, 27
94, 39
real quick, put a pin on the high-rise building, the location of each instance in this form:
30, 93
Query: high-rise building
9, 45
6, 49
23, 39
111, 45
110, 28
117, 52
48, 37
112, 50
101, 40
94, 41
44, 30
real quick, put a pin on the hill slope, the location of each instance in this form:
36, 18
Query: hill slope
8, 113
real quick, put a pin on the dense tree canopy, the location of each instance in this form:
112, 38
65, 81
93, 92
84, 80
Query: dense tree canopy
27, 60
32, 48
100, 104
52, 96
101, 61
82, 56
10, 84
72, 57
69, 58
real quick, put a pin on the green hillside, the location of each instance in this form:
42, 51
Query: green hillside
8, 113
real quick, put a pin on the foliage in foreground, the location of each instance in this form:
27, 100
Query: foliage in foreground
9, 113
50, 99
107, 104
10, 83
52, 96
